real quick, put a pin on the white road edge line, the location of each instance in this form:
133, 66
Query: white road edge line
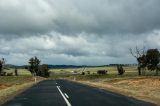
63, 96
66, 95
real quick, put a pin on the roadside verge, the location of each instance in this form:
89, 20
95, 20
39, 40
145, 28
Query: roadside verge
141, 89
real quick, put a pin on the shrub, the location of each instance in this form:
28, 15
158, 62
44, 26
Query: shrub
9, 74
3, 74
120, 70
83, 73
102, 72
44, 71
88, 72
16, 72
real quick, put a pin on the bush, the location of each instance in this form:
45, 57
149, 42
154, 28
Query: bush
102, 72
120, 70
83, 73
16, 72
44, 71
88, 72
3, 74
9, 74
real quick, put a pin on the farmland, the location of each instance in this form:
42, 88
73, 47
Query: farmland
130, 72
130, 84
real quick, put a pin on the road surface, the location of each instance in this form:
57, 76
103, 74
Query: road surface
67, 93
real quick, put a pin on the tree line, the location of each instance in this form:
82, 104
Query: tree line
149, 59
35, 68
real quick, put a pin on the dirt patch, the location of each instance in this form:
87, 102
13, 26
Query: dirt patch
3, 86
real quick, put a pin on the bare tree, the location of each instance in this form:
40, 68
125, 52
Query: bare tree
140, 55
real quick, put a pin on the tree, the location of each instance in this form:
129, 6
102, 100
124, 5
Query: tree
31, 67
140, 55
16, 71
2, 62
153, 57
36, 69
44, 70
142, 63
36, 65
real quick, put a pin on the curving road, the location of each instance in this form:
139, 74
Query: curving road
67, 93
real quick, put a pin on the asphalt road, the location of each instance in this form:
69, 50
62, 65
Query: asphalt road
67, 93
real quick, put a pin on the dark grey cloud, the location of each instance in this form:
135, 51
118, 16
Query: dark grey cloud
110, 17
79, 50
34, 17
80, 32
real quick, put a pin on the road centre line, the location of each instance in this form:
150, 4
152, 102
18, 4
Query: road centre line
68, 104
66, 95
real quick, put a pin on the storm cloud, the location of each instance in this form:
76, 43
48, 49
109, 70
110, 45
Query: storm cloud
92, 32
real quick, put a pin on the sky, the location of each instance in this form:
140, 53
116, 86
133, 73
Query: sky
77, 32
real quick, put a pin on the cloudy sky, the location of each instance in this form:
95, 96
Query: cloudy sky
78, 32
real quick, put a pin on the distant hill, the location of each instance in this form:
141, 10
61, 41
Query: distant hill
66, 66
9, 65
14, 66
53, 66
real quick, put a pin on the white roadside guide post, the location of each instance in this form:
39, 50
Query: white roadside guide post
74, 78
35, 79
74, 75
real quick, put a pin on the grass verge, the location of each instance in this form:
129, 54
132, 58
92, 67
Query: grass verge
10, 92
10, 86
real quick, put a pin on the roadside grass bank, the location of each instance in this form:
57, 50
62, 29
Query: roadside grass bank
11, 92
10, 86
